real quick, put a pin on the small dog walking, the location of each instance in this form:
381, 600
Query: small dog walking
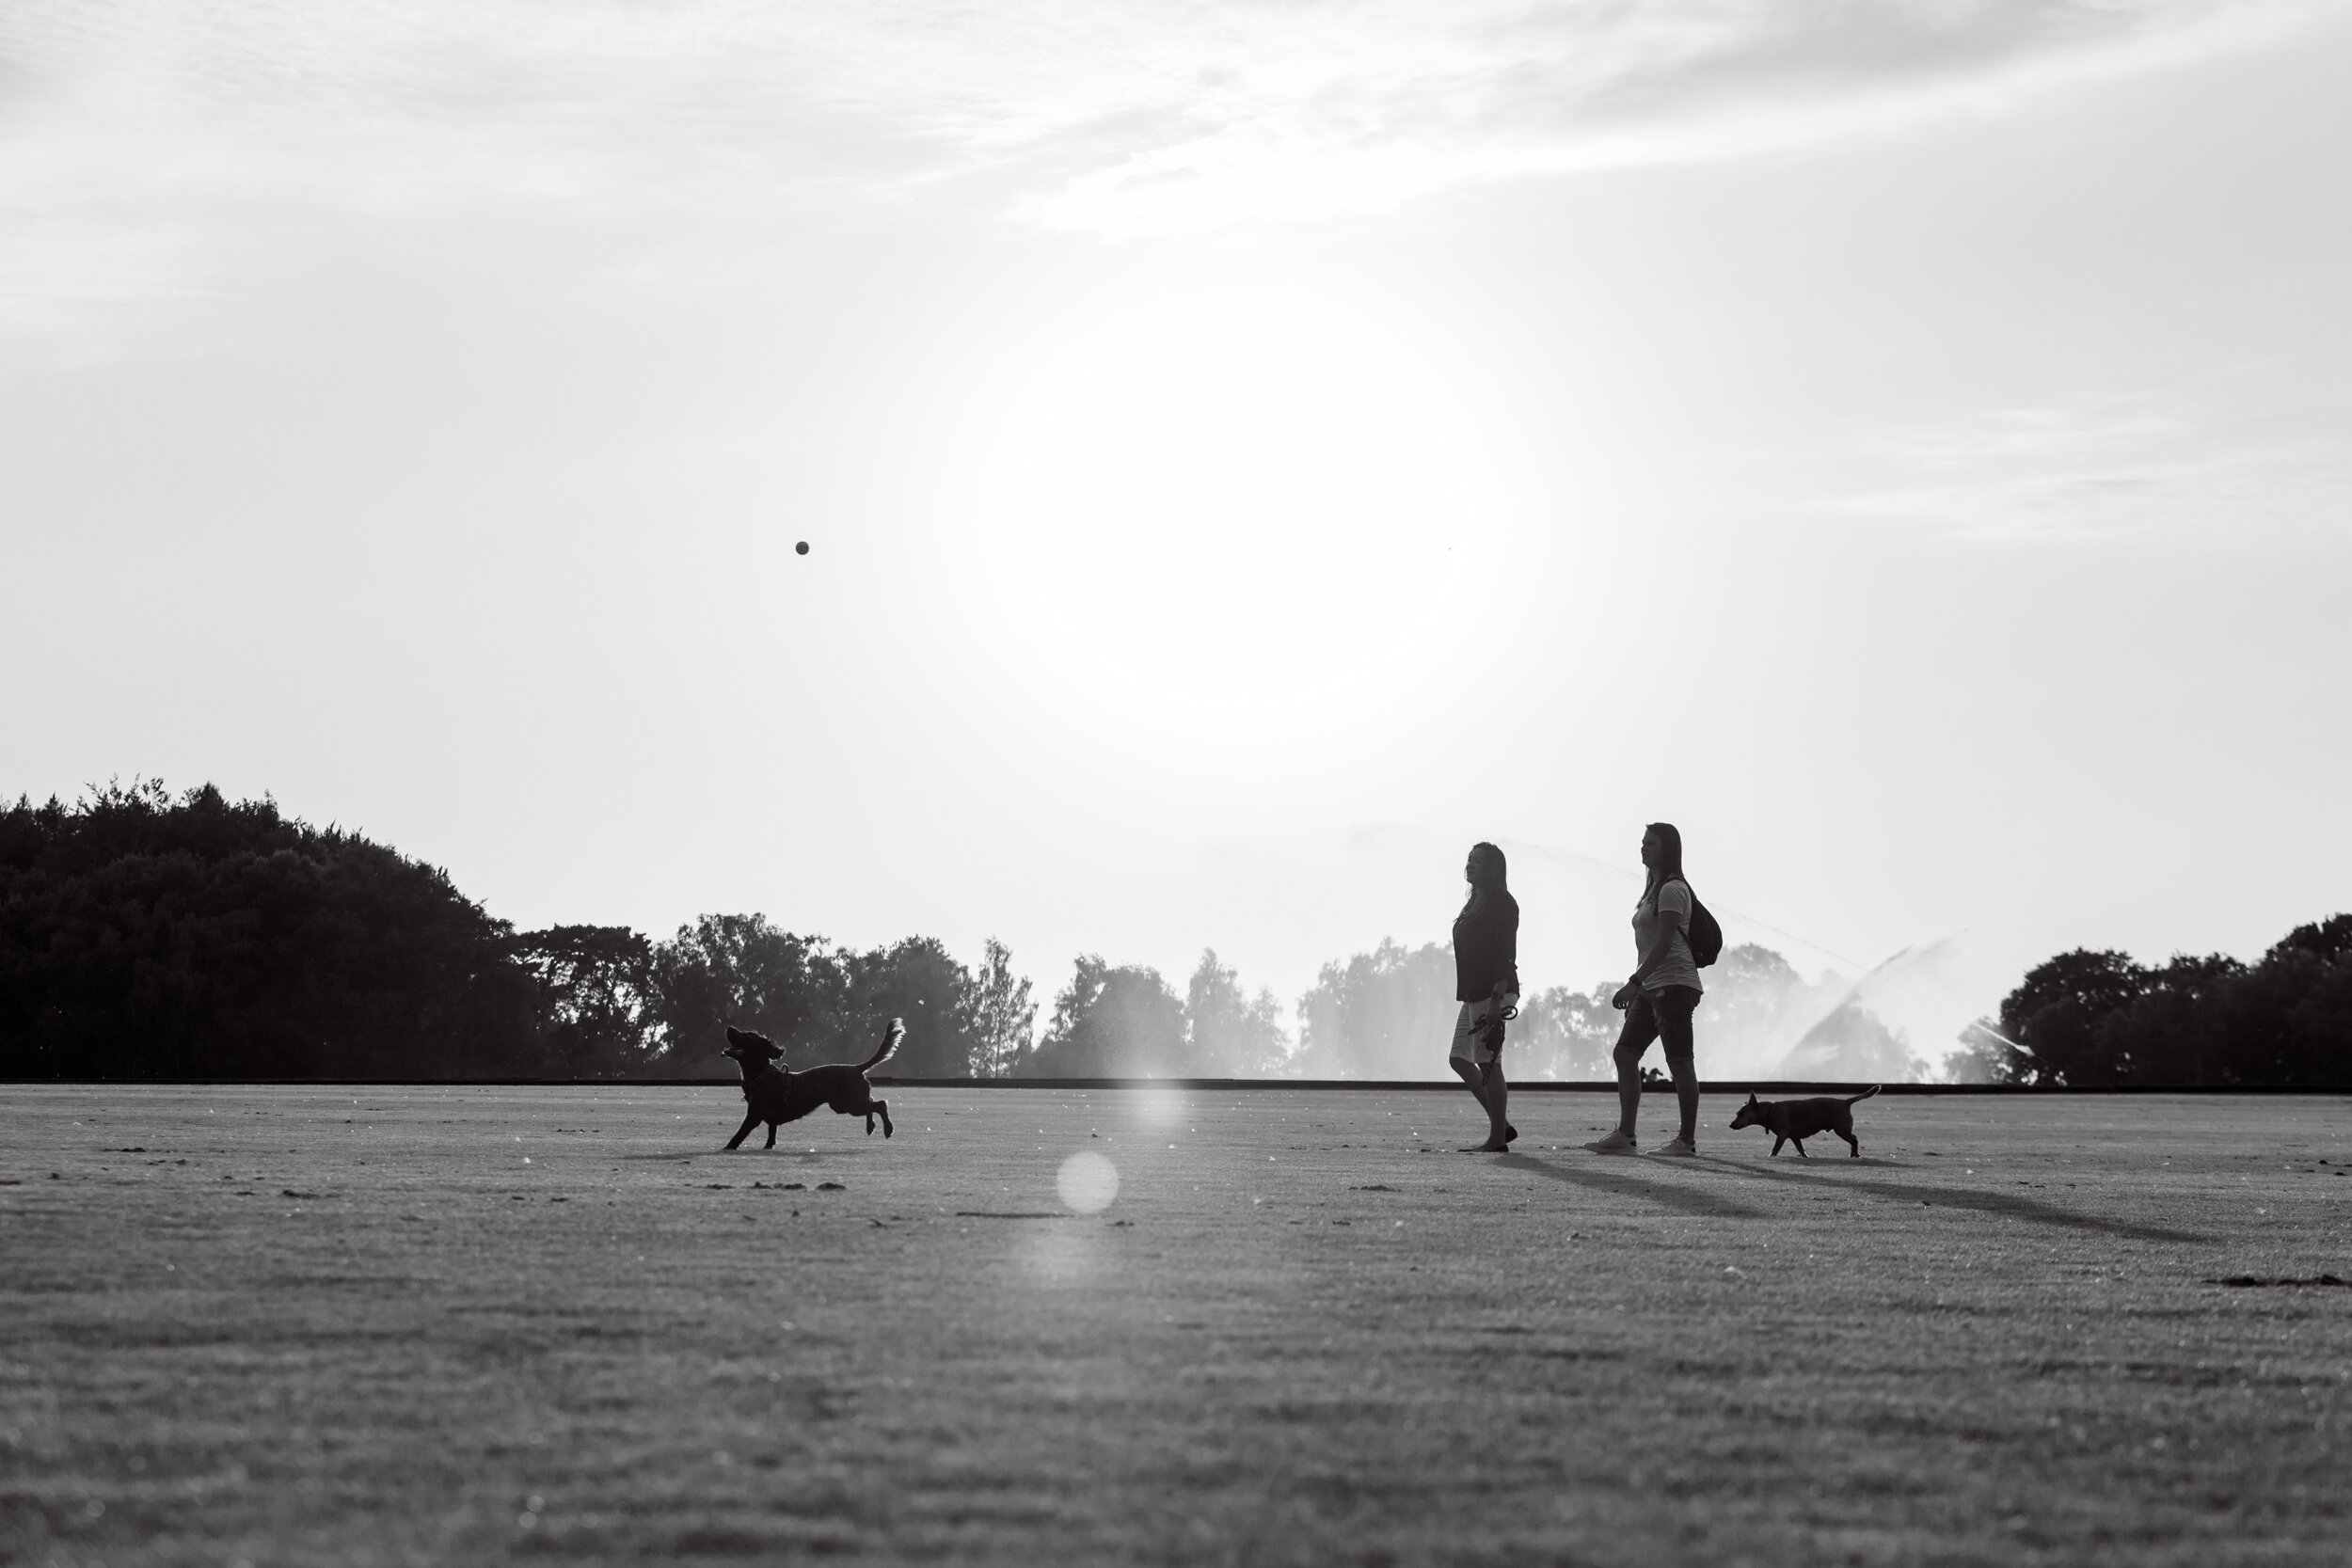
778, 1095
1795, 1120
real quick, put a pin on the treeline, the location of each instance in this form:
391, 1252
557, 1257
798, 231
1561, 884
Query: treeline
144, 935
148, 936
2098, 1019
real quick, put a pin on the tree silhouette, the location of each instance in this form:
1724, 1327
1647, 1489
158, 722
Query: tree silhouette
1112, 1021
917, 981
144, 936
1001, 1019
596, 999
1383, 1014
1232, 1034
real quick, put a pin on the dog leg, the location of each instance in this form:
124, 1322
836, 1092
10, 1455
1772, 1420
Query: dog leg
1777, 1141
882, 1108
745, 1130
771, 1135
1801, 1153
1852, 1143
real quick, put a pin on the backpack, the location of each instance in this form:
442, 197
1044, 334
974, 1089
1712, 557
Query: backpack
1706, 936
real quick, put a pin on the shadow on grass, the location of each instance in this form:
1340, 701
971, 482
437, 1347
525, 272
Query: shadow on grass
1620, 1183
801, 1154
1960, 1198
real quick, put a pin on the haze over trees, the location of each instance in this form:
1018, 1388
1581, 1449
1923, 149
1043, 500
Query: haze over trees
144, 935
1376, 1014
1124, 1021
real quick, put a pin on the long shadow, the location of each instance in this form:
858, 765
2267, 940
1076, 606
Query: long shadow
804, 1155
1961, 1197
1618, 1184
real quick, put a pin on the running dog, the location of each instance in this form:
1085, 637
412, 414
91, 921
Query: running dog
778, 1095
1795, 1120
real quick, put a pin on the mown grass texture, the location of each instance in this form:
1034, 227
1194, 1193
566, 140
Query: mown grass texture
433, 1325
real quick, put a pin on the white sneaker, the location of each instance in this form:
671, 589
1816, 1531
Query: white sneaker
1678, 1149
1616, 1143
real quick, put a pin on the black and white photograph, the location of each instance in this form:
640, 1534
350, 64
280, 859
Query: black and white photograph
1275, 783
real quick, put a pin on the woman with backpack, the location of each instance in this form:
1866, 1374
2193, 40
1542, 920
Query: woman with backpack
1663, 993
1487, 983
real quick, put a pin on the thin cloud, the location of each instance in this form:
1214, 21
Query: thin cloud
144, 146
2108, 472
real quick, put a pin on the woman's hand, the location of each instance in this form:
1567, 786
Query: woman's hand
1624, 998
1487, 1022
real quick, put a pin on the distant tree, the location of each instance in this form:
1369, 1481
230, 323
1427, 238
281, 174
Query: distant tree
2176, 1030
144, 935
2054, 1015
2088, 1018
1984, 1057
2275, 1021
1852, 1044
1232, 1034
596, 1006
915, 980
2290, 1019
1000, 1020
2328, 941
1112, 1022
1565, 1035
1757, 1005
1388, 1013
740, 968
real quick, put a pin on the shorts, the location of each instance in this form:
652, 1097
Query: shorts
1660, 1014
1467, 1047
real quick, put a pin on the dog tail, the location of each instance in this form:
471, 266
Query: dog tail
890, 1043
1864, 1095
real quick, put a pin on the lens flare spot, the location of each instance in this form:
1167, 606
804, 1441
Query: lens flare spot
1088, 1183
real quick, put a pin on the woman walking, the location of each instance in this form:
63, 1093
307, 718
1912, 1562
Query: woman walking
1659, 997
1487, 983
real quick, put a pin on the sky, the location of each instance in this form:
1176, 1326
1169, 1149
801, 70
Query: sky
1247, 453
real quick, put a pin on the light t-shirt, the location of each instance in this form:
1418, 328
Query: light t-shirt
1670, 913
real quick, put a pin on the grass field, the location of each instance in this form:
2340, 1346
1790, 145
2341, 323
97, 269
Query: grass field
429, 1325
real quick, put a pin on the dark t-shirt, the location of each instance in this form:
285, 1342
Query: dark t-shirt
1487, 949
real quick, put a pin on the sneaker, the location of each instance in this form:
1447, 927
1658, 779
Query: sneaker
1680, 1148
1616, 1143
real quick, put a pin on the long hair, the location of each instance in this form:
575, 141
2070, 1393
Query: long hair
1499, 881
1670, 856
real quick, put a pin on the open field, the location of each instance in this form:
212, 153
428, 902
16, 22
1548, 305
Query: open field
429, 1325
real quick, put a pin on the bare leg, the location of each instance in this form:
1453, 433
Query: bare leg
1641, 1028
1629, 1090
1468, 1073
1687, 1096
1498, 1097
